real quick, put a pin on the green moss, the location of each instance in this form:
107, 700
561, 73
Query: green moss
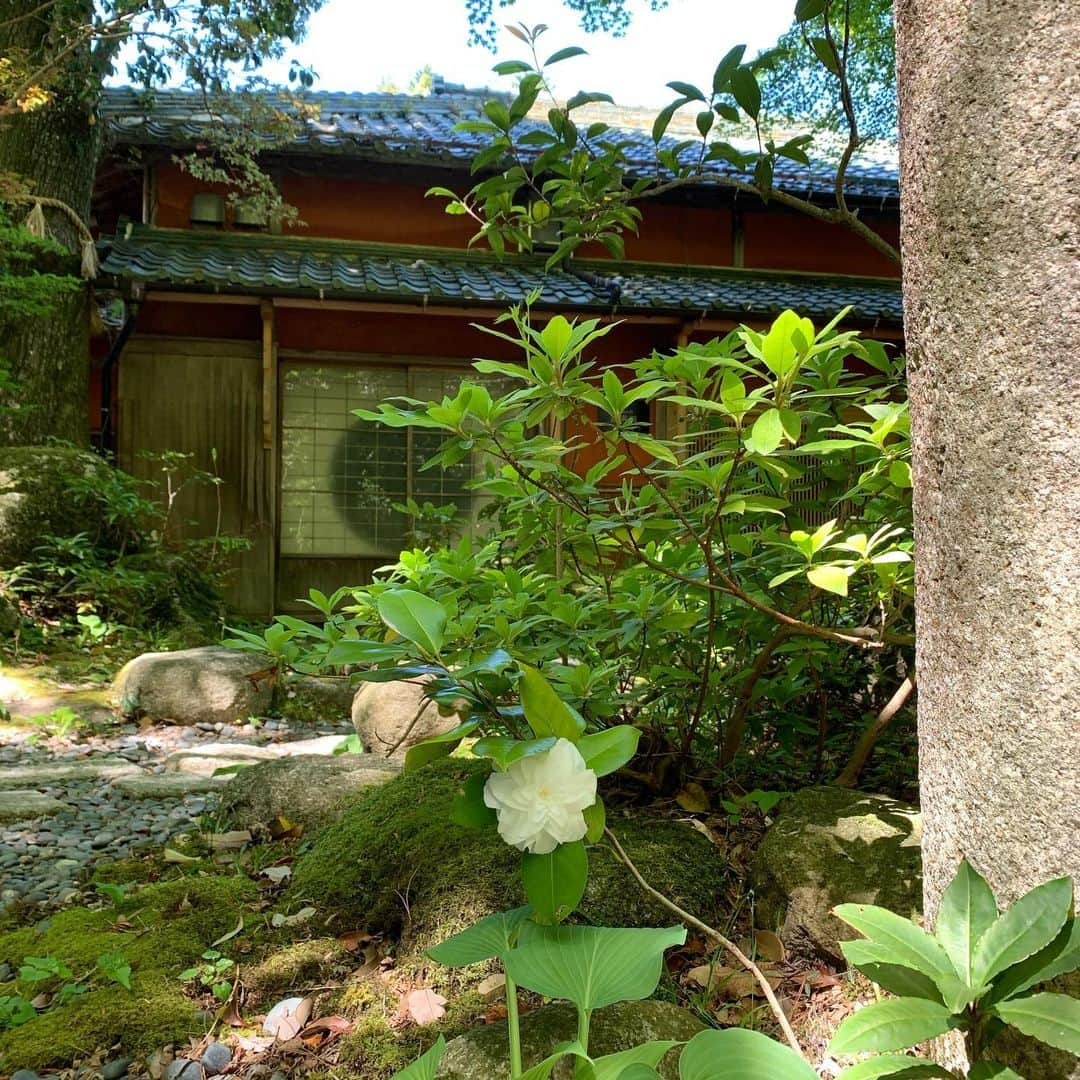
294, 968
395, 863
167, 926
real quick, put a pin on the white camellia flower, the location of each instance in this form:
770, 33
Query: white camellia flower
540, 800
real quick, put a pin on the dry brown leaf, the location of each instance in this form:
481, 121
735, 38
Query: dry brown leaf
693, 798
173, 856
355, 940
425, 1006
769, 946
494, 986
230, 935
277, 874
229, 841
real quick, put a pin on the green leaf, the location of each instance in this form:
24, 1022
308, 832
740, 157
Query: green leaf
663, 119
415, 617
910, 945
438, 746
808, 9
968, 909
900, 474
542, 1070
505, 751
556, 337
730, 61
512, 67
826, 54
565, 54
688, 90
639, 1072
1062, 955
899, 1066
1051, 1018
744, 87
738, 1054
595, 819
425, 1066
892, 1025
1028, 926
592, 966
545, 711
493, 936
992, 1070
768, 431
469, 809
832, 579
878, 963
629, 1063
610, 749
555, 883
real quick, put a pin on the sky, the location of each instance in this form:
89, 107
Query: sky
356, 44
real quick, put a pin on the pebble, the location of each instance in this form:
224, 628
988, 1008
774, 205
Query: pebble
114, 1070
25, 1074
215, 1058
182, 1069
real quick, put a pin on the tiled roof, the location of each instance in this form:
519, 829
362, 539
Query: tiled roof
336, 269
402, 126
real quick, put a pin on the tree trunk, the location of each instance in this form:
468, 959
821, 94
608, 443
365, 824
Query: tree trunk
990, 230
55, 150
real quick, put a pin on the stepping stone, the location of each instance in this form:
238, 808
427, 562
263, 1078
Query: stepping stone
323, 746
23, 805
204, 760
167, 785
17, 777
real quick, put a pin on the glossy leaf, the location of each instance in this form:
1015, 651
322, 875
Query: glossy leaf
555, 883
592, 966
910, 945
768, 431
878, 963
737, 1054
896, 1066
1051, 1018
894, 1024
610, 749
595, 819
744, 86
992, 1070
493, 936
831, 578
438, 746
469, 809
425, 1066
546, 712
415, 617
967, 910
1028, 926
630, 1062
1061, 956
505, 751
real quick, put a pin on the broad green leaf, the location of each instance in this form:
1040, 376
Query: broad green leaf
992, 1070
879, 964
545, 711
415, 617
542, 1070
911, 945
469, 809
505, 751
1062, 955
968, 909
438, 746
744, 87
891, 1025
897, 1066
595, 819
639, 1072
832, 579
424, 1067
1028, 926
556, 336
1051, 1018
738, 1054
592, 966
610, 749
565, 54
493, 936
555, 883
354, 651
617, 1066
768, 431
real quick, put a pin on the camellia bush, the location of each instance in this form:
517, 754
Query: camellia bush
739, 588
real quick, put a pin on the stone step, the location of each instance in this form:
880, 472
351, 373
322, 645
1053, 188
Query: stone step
167, 785
205, 760
17, 777
25, 805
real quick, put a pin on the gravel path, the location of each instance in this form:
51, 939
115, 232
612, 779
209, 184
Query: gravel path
67, 805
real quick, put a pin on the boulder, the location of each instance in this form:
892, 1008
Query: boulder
833, 846
307, 790
35, 501
10, 619
207, 685
390, 717
314, 698
482, 1054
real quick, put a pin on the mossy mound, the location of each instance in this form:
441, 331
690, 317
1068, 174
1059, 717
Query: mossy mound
295, 969
165, 927
395, 863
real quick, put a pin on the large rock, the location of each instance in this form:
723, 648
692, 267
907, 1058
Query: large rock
832, 846
314, 698
207, 685
35, 500
309, 790
482, 1054
390, 717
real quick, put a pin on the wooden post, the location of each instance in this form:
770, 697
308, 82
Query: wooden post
269, 374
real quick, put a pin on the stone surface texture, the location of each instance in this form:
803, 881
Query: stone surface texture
390, 717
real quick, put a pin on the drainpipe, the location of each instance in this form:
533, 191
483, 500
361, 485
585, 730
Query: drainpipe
106, 439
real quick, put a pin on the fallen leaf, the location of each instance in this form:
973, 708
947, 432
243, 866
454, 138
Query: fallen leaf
277, 920
693, 798
277, 874
254, 1043
769, 946
229, 841
230, 1014
230, 935
495, 1013
705, 831
494, 986
42, 1001
281, 828
173, 856
425, 1006
328, 1026
355, 940
287, 1018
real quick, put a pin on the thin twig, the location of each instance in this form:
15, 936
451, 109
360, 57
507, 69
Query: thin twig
727, 943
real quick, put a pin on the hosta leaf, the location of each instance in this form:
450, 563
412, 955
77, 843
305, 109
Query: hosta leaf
910, 945
493, 936
555, 883
423, 1068
891, 1025
897, 1066
592, 966
1028, 926
1062, 955
992, 1070
617, 1066
738, 1054
1051, 1018
968, 909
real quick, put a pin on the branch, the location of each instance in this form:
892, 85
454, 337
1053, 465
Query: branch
857, 762
726, 943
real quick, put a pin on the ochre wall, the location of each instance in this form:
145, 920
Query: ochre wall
381, 211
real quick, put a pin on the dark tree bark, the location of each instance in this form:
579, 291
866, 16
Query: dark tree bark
990, 211
55, 149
